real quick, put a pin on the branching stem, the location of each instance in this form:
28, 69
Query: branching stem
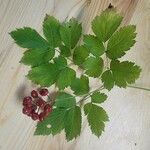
88, 95
137, 87
101, 88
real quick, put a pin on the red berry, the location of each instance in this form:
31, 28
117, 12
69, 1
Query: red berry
28, 98
48, 108
43, 92
26, 110
30, 114
33, 111
40, 102
47, 113
35, 116
41, 116
34, 94
34, 107
27, 101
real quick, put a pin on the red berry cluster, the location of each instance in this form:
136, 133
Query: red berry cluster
35, 106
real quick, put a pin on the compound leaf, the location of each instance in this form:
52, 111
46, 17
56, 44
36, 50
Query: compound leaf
124, 72
121, 41
98, 97
36, 57
80, 54
65, 78
96, 117
70, 33
52, 124
108, 80
93, 66
80, 86
28, 38
65, 51
44, 75
106, 24
60, 62
73, 123
65, 100
94, 45
66, 116
51, 28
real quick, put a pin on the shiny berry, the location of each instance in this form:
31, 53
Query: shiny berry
35, 116
41, 116
34, 107
30, 114
48, 108
26, 110
40, 102
28, 98
43, 92
27, 101
47, 113
34, 94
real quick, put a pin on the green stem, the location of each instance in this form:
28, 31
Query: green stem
88, 95
140, 88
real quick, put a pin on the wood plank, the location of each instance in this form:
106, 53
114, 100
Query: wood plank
129, 111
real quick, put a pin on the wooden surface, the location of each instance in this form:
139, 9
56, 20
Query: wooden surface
129, 110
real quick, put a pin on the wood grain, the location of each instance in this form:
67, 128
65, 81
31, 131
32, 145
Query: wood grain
129, 126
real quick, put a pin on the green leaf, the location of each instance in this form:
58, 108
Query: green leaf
65, 78
60, 62
70, 33
106, 24
42, 128
53, 123
121, 74
94, 45
51, 28
73, 123
124, 72
98, 97
36, 57
80, 54
70, 119
56, 119
65, 100
121, 42
96, 117
65, 51
28, 38
93, 66
66, 115
80, 86
108, 80
66, 75
44, 75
